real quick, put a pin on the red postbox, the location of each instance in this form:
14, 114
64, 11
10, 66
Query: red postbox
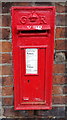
33, 48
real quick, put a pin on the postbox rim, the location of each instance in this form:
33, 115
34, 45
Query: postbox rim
33, 7
43, 44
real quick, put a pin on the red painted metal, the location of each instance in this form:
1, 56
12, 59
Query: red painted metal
33, 28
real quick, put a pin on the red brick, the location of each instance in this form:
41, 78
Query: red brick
7, 101
0, 33
7, 81
57, 90
59, 68
6, 47
6, 58
60, 32
59, 79
4, 33
0, 70
65, 89
21, 3
61, 20
6, 70
0, 91
6, 20
59, 100
60, 44
0, 81
0, 20
6, 91
60, 8
0, 46
0, 58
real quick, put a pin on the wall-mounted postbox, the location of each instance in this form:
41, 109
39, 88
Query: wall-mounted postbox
33, 43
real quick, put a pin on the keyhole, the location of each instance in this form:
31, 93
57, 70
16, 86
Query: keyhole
28, 81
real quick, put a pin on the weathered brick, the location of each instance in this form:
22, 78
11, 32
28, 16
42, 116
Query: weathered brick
46, 114
66, 111
6, 6
60, 57
0, 81
65, 89
66, 55
59, 68
6, 70
0, 46
6, 58
7, 81
61, 20
7, 101
54, 112
0, 91
57, 90
6, 20
6, 91
4, 33
59, 100
60, 7
66, 68
60, 44
60, 32
59, 79
12, 113
0, 20
0, 33
0, 70
21, 3
30, 113
66, 79
0, 7
34, 118
0, 58
66, 99
43, 3
6, 47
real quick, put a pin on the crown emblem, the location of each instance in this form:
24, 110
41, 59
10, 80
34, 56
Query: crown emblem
33, 17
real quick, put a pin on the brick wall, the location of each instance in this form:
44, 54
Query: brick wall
59, 68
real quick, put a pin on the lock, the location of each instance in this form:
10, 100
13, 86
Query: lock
33, 48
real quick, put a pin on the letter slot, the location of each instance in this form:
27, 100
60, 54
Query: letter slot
44, 30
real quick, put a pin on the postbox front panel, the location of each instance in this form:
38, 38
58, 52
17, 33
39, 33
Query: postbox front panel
33, 39
32, 81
